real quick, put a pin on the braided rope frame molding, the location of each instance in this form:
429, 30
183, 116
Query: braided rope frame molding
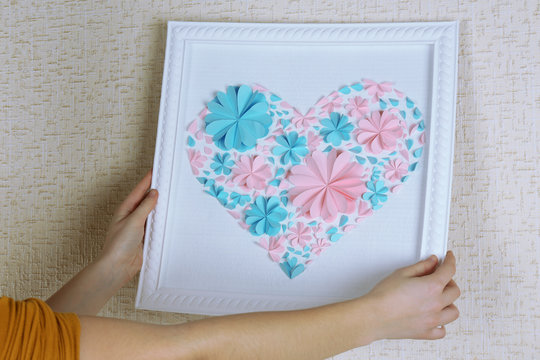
444, 38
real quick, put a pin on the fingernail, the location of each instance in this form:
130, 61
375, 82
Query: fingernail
152, 193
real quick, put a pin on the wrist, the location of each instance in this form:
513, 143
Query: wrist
366, 316
114, 273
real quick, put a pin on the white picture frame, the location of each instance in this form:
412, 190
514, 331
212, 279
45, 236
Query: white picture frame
180, 273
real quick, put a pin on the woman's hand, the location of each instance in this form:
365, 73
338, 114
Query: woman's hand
416, 302
119, 261
124, 240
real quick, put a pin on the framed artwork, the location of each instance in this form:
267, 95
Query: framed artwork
297, 164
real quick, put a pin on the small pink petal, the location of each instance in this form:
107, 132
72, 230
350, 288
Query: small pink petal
208, 139
271, 190
203, 113
422, 139
207, 150
193, 127
348, 228
285, 105
395, 189
234, 214
243, 225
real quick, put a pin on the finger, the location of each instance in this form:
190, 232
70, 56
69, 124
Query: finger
134, 198
140, 214
444, 273
451, 292
421, 268
449, 314
436, 333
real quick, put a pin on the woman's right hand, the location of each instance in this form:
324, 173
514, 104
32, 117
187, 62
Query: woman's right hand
416, 302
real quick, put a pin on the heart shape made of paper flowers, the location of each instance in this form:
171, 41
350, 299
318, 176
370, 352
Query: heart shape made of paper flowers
297, 182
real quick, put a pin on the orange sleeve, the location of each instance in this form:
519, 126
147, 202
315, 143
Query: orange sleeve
29, 329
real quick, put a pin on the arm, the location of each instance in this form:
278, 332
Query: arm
119, 261
414, 302
410, 303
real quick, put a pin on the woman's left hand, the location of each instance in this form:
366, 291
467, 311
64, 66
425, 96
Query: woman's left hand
124, 239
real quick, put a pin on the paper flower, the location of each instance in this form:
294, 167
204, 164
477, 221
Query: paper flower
300, 120
377, 89
396, 169
222, 164
274, 246
264, 216
327, 185
251, 172
379, 132
330, 103
218, 192
238, 199
291, 148
336, 129
300, 235
377, 193
196, 160
357, 107
319, 246
238, 118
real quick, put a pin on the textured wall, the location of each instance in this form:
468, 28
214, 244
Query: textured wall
79, 99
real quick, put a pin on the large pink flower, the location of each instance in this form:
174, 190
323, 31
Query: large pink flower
251, 172
327, 185
300, 235
196, 160
396, 169
357, 107
379, 132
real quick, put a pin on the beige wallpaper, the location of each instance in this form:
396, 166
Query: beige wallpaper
79, 99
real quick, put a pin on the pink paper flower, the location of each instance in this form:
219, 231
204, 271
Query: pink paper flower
330, 103
357, 107
319, 246
377, 89
379, 132
396, 169
274, 246
251, 172
327, 185
307, 120
196, 160
300, 235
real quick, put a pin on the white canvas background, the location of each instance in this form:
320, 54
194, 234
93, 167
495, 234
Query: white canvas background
206, 250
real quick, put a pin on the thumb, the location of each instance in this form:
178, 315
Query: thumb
421, 268
140, 214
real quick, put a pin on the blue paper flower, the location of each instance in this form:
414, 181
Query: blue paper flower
219, 193
291, 148
336, 129
237, 199
238, 118
376, 194
291, 267
222, 164
264, 216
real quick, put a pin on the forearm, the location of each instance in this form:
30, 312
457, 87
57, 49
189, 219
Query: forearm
305, 334
89, 290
